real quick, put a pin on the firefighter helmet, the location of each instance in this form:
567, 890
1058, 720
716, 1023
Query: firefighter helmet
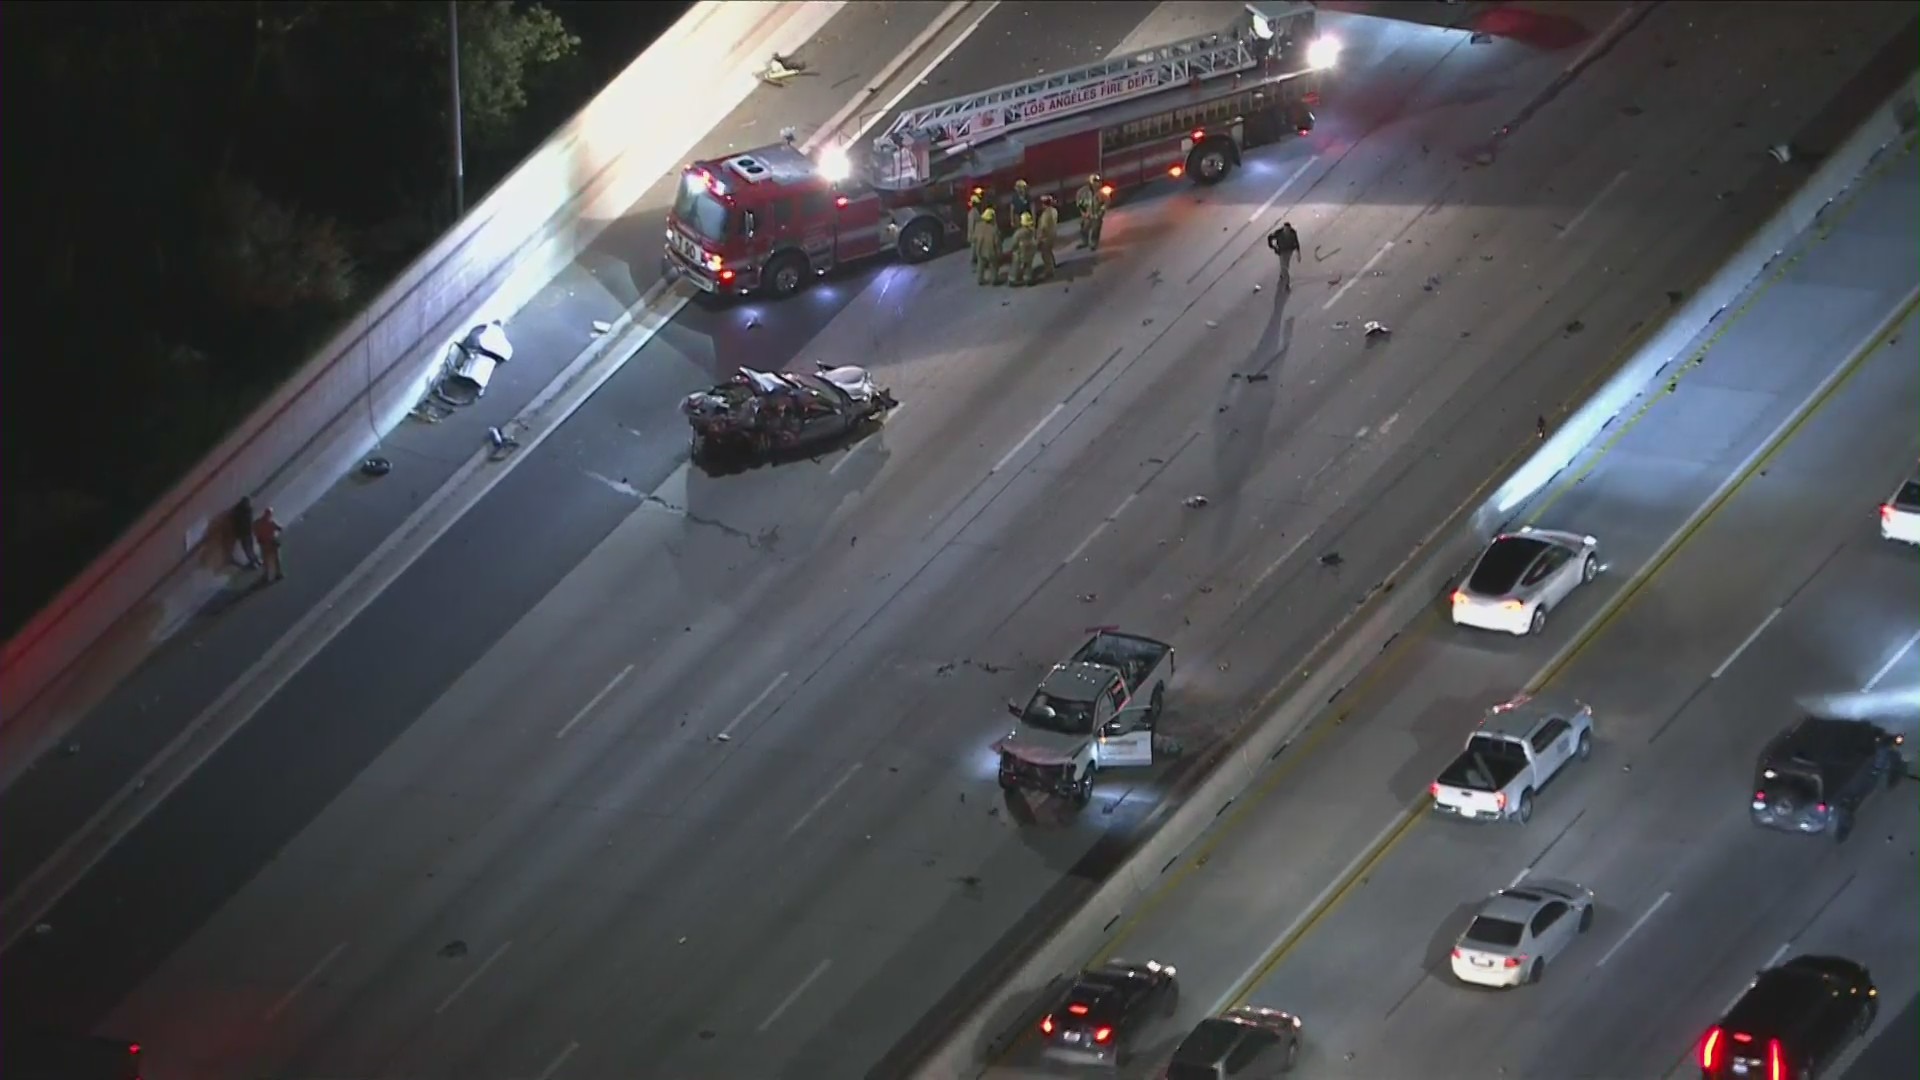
1094, 180
1027, 220
1019, 185
987, 214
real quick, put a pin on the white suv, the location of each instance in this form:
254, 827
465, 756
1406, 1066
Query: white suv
1900, 515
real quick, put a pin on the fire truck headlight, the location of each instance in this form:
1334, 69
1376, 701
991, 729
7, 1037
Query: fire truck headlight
833, 164
715, 262
1323, 53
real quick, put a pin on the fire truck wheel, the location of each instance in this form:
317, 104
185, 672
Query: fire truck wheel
1210, 162
920, 240
787, 274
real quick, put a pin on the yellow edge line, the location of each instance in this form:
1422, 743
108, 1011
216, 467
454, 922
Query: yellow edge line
1620, 603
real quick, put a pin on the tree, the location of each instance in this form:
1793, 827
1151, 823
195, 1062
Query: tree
501, 48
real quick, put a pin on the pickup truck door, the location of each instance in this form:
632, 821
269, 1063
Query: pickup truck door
1125, 739
1552, 745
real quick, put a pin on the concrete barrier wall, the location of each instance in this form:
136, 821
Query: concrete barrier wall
336, 408
1028, 984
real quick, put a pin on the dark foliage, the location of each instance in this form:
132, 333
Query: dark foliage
199, 192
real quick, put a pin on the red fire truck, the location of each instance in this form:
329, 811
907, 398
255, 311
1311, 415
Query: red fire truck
772, 219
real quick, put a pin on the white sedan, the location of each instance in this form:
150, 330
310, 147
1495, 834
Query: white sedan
1900, 515
1523, 575
1519, 930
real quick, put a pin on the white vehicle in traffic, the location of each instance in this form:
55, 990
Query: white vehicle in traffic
1519, 931
1522, 576
1900, 515
1519, 746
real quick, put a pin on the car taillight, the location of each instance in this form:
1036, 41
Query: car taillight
726, 275
1500, 799
1759, 797
1819, 808
1077, 1009
1101, 1035
1433, 789
1776, 1061
1199, 133
841, 202
1512, 961
1886, 511
1710, 1050
1046, 1024
1459, 597
1456, 952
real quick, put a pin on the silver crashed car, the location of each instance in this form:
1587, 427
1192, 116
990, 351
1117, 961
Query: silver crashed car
1521, 576
1519, 930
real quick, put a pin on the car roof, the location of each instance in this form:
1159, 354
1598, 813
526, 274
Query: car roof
1107, 991
1783, 999
1521, 716
1818, 741
1514, 905
1216, 1037
1076, 682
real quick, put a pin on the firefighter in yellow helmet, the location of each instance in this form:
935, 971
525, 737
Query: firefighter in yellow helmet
975, 203
986, 247
1022, 202
1044, 228
1024, 246
1092, 203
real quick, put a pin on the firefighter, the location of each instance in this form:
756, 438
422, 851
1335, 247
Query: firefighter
974, 204
1022, 203
1023, 249
1043, 231
986, 247
1286, 244
1092, 204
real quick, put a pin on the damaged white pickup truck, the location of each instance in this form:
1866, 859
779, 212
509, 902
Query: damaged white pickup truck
1097, 710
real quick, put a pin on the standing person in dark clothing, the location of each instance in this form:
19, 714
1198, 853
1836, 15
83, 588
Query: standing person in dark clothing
240, 528
1286, 244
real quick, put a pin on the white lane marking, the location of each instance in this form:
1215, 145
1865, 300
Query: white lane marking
822, 800
553, 1067
1282, 189
1387, 424
1279, 562
594, 701
1751, 638
1777, 954
892, 418
1030, 436
1355, 279
900, 60
474, 977
1100, 528
1520, 877
917, 81
787, 1002
1591, 204
755, 703
1637, 924
306, 980
1887, 667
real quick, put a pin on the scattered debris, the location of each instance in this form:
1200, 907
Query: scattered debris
1479, 37
42, 929
971, 881
1256, 286
1341, 324
70, 749
1631, 110
1205, 589
1222, 665
503, 443
780, 69
1258, 376
1723, 196
602, 326
753, 323
1781, 152
1376, 329
944, 669
723, 737
1087, 597
1483, 156
376, 467
708, 1033
682, 941
429, 411
1211, 325
1194, 502
1146, 322
1576, 326
1540, 427
1332, 560
453, 950
1433, 283
470, 364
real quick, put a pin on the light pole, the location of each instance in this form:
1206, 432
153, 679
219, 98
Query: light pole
459, 147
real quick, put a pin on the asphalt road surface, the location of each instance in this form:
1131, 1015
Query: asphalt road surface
493, 830
1782, 599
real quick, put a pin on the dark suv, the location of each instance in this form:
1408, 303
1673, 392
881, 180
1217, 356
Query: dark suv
1247, 1043
1106, 1009
1793, 1022
1813, 776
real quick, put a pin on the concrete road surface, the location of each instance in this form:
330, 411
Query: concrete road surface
1783, 599
648, 773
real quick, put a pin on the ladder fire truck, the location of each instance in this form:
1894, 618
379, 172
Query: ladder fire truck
772, 219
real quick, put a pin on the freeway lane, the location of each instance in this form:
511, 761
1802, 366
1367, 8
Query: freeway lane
1684, 692
635, 886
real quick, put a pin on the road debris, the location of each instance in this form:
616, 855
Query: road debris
1332, 560
1376, 329
1087, 597
1194, 502
602, 326
1575, 327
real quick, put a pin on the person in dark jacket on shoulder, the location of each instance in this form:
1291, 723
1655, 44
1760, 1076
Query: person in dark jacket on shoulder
1286, 244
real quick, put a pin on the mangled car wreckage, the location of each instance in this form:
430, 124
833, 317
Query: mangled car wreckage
762, 414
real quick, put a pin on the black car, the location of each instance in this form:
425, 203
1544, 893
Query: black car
41, 1054
1793, 1022
1812, 777
1105, 1010
1240, 1044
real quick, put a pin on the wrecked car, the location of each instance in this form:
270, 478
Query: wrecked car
763, 414
1097, 710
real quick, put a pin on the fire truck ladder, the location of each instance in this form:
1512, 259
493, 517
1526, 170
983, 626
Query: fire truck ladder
996, 112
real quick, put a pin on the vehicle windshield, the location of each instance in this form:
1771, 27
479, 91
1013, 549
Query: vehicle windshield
1799, 788
699, 212
1056, 714
1500, 568
1498, 933
1909, 497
